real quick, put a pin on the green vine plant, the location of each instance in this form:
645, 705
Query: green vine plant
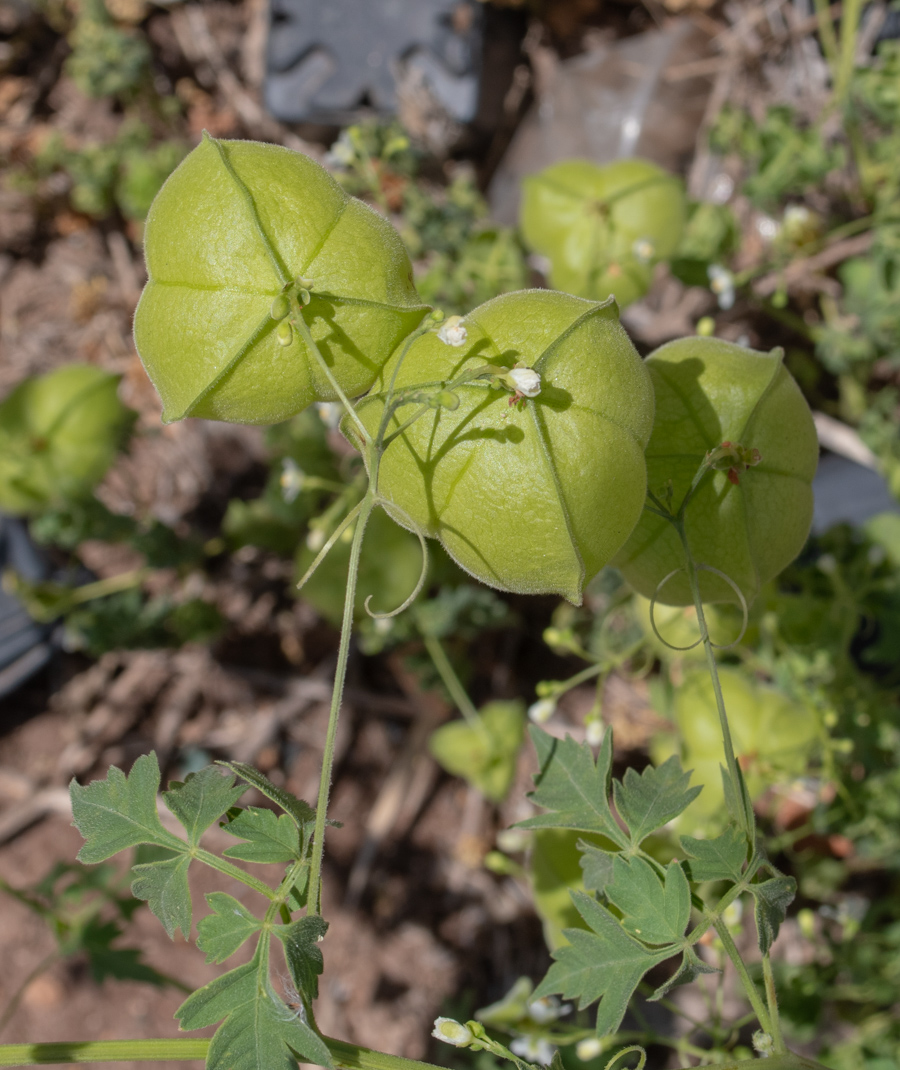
520, 437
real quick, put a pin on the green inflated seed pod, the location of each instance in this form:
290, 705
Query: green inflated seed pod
236, 225
603, 228
748, 524
535, 496
58, 435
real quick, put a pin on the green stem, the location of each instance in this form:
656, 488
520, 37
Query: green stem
111, 585
451, 681
314, 898
300, 326
826, 31
223, 866
745, 814
746, 980
772, 1000
346, 1056
850, 12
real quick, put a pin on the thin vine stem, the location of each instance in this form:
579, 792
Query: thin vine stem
452, 682
745, 815
345, 1056
772, 1000
300, 326
750, 988
314, 898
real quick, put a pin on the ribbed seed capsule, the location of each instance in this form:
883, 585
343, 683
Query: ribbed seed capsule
280, 307
284, 333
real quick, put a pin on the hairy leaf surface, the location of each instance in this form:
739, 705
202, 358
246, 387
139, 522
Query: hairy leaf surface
573, 787
605, 964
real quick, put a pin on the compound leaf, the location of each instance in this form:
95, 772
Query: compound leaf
212, 1002
719, 859
119, 812
690, 969
259, 1032
301, 950
605, 964
270, 838
772, 897
202, 798
647, 800
299, 810
221, 933
653, 911
164, 885
573, 786
265, 1034
597, 866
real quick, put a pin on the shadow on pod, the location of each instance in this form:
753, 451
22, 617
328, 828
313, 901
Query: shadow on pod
536, 496
707, 392
235, 227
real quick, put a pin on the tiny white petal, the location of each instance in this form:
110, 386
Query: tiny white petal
534, 1049
526, 380
452, 332
330, 413
721, 282
547, 1009
541, 711
452, 1032
292, 478
315, 540
643, 249
594, 733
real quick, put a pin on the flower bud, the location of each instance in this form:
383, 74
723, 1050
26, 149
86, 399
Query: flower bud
541, 711
452, 332
589, 1048
710, 392
452, 1032
537, 500
526, 381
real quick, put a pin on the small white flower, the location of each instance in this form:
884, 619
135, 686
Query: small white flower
594, 730
292, 479
721, 282
589, 1048
526, 381
644, 250
733, 913
452, 1032
341, 154
797, 215
541, 711
534, 1049
452, 332
767, 227
315, 540
763, 1043
547, 1009
330, 413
